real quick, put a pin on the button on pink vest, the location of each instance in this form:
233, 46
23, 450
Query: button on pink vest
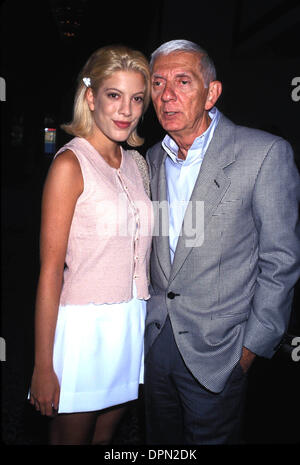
110, 236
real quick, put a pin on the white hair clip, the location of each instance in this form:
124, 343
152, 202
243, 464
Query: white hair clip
87, 81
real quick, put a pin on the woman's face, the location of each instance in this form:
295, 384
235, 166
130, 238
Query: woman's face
118, 104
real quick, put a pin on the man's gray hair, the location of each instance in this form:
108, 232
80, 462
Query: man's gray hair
208, 69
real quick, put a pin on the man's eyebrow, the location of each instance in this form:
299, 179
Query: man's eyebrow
156, 75
180, 74
184, 74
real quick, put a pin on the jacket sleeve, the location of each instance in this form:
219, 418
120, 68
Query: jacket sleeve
148, 162
275, 207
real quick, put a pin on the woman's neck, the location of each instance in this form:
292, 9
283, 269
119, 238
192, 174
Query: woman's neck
107, 149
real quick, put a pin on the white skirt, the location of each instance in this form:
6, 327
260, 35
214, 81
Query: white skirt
98, 354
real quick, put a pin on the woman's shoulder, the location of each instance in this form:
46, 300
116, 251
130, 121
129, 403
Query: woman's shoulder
64, 175
66, 166
138, 158
142, 167
66, 158
74, 152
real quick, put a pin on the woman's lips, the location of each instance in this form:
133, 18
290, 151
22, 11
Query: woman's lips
122, 124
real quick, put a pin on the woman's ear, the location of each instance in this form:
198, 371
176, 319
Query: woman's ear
214, 92
90, 99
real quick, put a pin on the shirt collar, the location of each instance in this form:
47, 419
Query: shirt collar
199, 146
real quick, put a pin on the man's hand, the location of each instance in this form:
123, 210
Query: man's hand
246, 359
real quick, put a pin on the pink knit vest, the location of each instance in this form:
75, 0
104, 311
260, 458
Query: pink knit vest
110, 235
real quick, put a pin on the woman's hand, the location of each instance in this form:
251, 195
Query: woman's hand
44, 391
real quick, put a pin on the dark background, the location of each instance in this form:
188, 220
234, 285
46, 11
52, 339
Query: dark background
44, 44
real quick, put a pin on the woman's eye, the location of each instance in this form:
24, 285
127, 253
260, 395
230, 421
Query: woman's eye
139, 99
113, 95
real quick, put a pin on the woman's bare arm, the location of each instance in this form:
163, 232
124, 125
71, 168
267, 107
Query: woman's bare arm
63, 186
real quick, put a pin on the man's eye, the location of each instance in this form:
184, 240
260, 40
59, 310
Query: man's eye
156, 83
184, 81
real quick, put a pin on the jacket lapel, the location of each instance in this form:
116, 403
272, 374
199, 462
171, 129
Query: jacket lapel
160, 205
210, 187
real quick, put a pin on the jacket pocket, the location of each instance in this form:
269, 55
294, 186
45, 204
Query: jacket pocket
228, 207
238, 316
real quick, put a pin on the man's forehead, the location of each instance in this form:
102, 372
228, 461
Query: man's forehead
177, 62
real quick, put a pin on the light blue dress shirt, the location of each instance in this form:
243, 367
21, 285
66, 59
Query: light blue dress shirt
181, 176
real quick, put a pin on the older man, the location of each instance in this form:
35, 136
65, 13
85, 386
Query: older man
223, 275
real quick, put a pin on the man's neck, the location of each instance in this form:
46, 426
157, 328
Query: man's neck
185, 141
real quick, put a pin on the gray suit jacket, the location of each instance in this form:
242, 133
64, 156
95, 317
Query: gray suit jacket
234, 286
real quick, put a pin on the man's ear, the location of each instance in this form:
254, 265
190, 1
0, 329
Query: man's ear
90, 99
214, 92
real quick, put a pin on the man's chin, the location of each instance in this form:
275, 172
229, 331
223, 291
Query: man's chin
170, 126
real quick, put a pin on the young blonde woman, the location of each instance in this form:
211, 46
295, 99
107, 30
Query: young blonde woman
95, 243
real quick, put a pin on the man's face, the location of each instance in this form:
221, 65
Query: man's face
178, 94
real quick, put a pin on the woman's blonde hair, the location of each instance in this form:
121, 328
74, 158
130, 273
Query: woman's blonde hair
101, 65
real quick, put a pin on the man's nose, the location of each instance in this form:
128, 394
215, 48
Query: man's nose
168, 93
